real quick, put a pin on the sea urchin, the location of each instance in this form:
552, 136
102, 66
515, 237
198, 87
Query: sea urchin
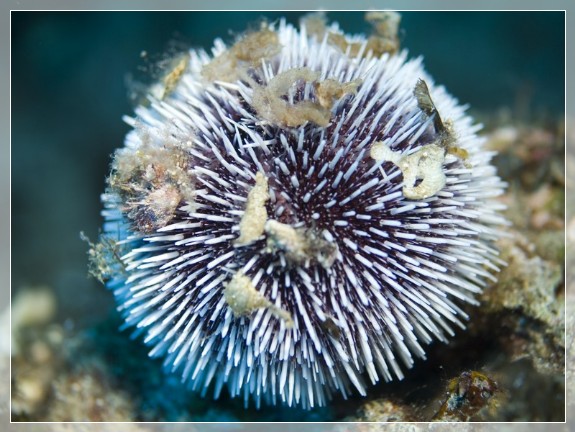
298, 214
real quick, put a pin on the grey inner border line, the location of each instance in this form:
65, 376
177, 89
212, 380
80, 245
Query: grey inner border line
5, 238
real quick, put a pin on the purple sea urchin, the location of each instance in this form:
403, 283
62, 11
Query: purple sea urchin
296, 215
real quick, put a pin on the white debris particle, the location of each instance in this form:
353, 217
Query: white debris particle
426, 165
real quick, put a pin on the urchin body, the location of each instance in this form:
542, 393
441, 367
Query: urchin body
266, 247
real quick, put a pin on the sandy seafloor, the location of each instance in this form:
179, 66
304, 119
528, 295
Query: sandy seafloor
71, 75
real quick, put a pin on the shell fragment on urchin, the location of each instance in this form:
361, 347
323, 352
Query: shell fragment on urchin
263, 237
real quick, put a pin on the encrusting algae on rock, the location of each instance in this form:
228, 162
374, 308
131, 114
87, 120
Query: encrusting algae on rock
300, 213
467, 394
